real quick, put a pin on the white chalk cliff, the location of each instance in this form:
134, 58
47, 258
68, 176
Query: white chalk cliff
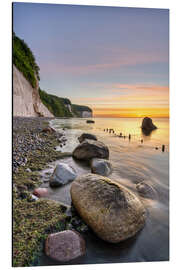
26, 100
86, 114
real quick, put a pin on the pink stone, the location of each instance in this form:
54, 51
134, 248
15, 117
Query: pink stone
40, 192
65, 246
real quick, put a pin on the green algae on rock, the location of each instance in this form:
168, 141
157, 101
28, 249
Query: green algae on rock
32, 221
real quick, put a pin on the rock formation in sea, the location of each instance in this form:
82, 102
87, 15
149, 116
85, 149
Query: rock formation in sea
147, 124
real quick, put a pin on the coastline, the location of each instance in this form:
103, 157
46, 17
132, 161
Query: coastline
33, 220
51, 211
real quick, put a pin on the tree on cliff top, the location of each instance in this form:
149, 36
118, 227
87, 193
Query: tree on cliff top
24, 60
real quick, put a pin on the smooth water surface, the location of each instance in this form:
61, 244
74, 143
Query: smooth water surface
133, 162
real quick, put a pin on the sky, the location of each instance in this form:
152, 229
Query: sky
112, 59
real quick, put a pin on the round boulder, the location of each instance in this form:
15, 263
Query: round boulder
101, 166
87, 136
89, 149
112, 211
147, 124
65, 246
146, 190
62, 175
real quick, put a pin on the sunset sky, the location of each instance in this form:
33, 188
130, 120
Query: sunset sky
115, 60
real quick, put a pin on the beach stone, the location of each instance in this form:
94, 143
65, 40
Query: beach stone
90, 121
62, 175
89, 149
112, 211
33, 198
40, 192
49, 130
101, 166
65, 246
146, 190
87, 136
147, 124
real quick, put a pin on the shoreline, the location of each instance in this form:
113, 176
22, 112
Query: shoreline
33, 220
44, 156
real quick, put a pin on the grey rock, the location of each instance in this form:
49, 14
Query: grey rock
146, 190
101, 166
87, 136
62, 175
89, 149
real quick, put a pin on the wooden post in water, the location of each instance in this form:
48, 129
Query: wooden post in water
141, 140
120, 135
163, 148
129, 137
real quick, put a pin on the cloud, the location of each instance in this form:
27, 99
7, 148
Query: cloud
130, 94
148, 87
118, 59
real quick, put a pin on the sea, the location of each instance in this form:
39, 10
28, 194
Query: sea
135, 158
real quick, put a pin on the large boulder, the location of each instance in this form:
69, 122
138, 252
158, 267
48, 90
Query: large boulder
65, 246
147, 124
101, 166
87, 136
89, 149
112, 211
62, 175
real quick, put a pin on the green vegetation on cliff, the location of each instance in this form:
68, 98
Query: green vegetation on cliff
58, 105
24, 60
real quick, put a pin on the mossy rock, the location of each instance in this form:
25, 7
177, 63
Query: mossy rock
112, 211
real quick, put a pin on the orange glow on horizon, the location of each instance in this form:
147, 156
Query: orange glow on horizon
131, 112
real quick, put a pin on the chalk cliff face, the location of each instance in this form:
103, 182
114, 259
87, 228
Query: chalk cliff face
86, 114
26, 100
